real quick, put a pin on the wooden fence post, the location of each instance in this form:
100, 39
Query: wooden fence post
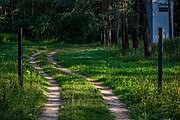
160, 59
20, 57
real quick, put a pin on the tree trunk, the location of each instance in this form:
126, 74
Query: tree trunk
12, 9
108, 23
105, 35
135, 39
126, 34
123, 31
125, 40
136, 28
108, 31
102, 41
170, 20
114, 22
12, 12
146, 30
104, 28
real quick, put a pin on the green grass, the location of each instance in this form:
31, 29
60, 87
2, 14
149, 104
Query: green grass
8, 37
80, 100
172, 48
17, 103
132, 77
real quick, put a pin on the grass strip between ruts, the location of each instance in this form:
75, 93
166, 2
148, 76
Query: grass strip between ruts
80, 100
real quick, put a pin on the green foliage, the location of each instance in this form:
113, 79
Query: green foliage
63, 20
172, 48
37, 22
8, 37
133, 79
17, 103
176, 17
75, 21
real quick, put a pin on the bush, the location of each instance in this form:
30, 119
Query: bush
172, 48
17, 103
6, 37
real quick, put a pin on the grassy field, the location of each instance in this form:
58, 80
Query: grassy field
80, 100
17, 103
132, 77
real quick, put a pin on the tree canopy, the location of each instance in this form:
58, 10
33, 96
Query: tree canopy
81, 21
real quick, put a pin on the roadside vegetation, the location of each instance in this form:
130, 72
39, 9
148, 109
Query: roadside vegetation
132, 77
17, 103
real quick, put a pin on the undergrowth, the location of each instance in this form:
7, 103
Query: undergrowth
17, 103
172, 48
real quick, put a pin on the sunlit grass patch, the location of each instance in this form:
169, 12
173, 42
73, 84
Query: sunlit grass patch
133, 78
80, 100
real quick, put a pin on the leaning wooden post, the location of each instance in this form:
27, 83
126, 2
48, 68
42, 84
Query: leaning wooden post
160, 58
20, 57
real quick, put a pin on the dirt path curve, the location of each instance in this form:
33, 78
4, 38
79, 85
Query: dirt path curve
118, 109
51, 110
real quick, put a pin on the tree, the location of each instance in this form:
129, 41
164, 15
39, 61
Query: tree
145, 29
170, 20
8, 10
136, 25
5, 15
177, 17
124, 26
114, 21
104, 23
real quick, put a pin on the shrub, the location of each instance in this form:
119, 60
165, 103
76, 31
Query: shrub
172, 48
6, 37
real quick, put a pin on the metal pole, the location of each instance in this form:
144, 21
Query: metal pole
20, 58
170, 19
160, 57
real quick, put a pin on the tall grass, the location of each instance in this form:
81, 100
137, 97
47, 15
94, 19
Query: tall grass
17, 103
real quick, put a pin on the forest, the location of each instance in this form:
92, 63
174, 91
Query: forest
89, 52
